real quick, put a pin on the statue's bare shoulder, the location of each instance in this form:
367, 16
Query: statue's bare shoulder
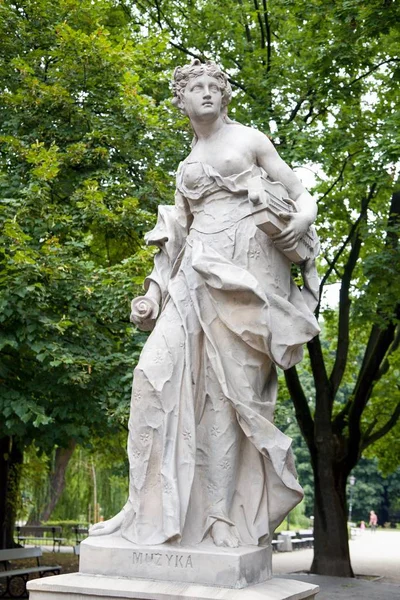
252, 140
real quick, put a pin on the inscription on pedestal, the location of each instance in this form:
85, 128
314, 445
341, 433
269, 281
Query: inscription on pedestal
206, 564
159, 559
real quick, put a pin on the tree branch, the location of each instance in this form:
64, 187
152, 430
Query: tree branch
263, 43
310, 111
340, 176
384, 62
246, 26
390, 423
380, 341
296, 109
299, 104
386, 364
322, 385
378, 344
371, 426
332, 264
302, 409
268, 32
158, 8
345, 302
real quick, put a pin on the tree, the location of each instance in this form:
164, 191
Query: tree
97, 471
323, 79
56, 483
376, 483
100, 471
81, 169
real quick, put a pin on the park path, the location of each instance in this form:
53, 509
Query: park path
372, 554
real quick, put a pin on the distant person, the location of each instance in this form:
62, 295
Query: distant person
373, 521
362, 526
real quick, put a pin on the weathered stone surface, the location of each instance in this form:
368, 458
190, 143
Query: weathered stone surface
203, 564
78, 586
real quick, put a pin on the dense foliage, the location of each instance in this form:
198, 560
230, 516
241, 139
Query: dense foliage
75, 199
82, 167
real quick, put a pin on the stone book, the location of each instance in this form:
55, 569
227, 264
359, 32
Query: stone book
269, 199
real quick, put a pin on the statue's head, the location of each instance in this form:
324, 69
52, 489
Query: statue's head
182, 76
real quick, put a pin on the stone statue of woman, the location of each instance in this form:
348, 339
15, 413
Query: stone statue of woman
206, 460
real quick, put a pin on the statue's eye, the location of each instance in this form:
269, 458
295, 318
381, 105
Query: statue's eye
196, 87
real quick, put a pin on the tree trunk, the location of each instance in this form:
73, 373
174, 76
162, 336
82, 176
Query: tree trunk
56, 483
331, 545
11, 458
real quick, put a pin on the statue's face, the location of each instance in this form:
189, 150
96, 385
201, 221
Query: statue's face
202, 98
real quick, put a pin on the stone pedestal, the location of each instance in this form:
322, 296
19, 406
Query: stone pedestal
78, 586
112, 568
203, 564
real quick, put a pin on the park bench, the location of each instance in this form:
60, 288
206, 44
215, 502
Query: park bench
291, 540
45, 534
12, 580
276, 543
304, 539
81, 532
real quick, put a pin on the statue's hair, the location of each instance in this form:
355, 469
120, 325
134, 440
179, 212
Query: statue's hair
196, 68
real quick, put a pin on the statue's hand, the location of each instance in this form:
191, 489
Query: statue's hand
297, 225
144, 312
254, 197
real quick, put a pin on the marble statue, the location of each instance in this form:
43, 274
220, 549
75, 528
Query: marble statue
206, 461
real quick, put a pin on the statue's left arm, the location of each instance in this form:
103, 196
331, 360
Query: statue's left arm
277, 170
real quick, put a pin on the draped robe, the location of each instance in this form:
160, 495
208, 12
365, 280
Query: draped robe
202, 444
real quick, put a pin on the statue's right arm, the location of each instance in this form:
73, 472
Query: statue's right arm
169, 236
183, 214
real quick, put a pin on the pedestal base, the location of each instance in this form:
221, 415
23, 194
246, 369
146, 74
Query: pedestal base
78, 586
204, 564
